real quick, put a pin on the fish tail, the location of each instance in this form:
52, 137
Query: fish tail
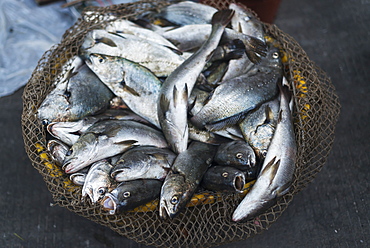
222, 17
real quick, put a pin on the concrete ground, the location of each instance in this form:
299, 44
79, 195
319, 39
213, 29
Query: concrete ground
333, 211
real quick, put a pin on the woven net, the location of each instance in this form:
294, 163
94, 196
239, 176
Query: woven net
208, 224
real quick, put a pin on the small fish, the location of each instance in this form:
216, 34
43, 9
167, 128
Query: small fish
57, 150
184, 178
190, 37
132, 82
159, 59
237, 153
224, 179
80, 94
70, 131
127, 27
109, 138
225, 107
258, 126
188, 12
143, 162
176, 89
131, 194
246, 22
97, 181
277, 171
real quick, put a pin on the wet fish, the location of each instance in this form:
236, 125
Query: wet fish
189, 37
276, 175
80, 94
70, 131
224, 179
109, 138
246, 22
159, 59
132, 82
237, 153
98, 181
131, 194
143, 162
184, 178
127, 27
225, 107
258, 126
176, 89
57, 150
188, 12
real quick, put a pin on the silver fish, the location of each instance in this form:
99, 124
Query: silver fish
70, 131
176, 89
188, 12
79, 95
184, 178
143, 162
276, 175
109, 138
189, 37
258, 126
159, 59
131, 194
225, 107
246, 22
98, 181
58, 150
238, 154
132, 82
127, 27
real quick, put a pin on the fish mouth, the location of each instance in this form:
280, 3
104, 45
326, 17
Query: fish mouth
109, 203
239, 182
118, 174
164, 211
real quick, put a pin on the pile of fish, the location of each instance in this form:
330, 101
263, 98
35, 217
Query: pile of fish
195, 100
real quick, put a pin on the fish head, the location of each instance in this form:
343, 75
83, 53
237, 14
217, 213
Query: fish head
273, 58
81, 153
106, 67
58, 150
172, 196
241, 153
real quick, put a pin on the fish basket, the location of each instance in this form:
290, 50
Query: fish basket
207, 222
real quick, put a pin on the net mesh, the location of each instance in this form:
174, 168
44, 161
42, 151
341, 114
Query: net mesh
208, 224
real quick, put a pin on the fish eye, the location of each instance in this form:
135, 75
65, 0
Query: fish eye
225, 174
275, 55
264, 153
239, 155
45, 122
174, 200
67, 94
101, 59
69, 153
126, 194
102, 191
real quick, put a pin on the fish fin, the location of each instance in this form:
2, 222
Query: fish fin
221, 124
126, 142
285, 92
161, 156
164, 104
254, 49
280, 116
106, 41
180, 95
269, 115
130, 90
222, 17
